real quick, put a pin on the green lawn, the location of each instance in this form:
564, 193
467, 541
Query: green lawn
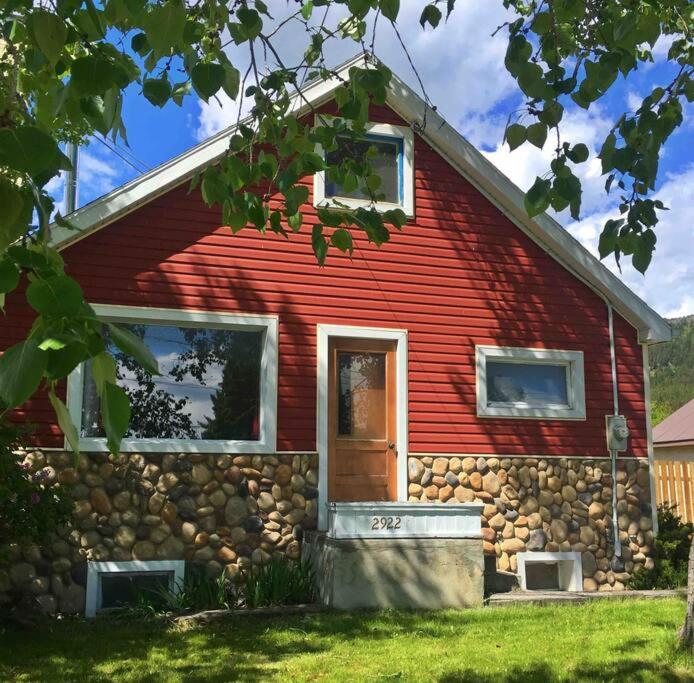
605, 640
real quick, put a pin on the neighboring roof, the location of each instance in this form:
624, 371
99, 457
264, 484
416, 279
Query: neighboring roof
676, 429
478, 170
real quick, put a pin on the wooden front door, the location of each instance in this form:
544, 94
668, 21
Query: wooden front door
361, 420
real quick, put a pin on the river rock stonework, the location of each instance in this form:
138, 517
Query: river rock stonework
552, 504
225, 512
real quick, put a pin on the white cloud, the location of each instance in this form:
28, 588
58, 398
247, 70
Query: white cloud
462, 83
525, 163
668, 285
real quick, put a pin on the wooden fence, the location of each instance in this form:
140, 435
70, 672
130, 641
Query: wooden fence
674, 484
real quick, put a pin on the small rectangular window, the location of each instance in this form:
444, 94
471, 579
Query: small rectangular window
389, 150
530, 383
217, 391
384, 155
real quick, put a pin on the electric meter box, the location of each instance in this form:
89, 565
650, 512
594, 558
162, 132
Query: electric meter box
617, 432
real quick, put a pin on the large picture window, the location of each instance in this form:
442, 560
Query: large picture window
216, 391
390, 152
530, 383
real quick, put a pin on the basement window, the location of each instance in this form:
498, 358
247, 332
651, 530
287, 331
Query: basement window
530, 383
217, 390
561, 571
389, 151
113, 585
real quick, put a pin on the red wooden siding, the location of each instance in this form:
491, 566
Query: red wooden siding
459, 274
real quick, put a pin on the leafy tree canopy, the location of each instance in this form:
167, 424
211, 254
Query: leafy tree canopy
65, 64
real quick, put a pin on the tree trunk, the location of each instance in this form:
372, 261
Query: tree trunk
687, 630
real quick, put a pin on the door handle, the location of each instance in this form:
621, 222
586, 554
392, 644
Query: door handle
391, 445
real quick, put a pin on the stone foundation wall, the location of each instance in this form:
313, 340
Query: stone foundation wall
551, 505
225, 512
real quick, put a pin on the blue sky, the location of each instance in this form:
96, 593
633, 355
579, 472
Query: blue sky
462, 68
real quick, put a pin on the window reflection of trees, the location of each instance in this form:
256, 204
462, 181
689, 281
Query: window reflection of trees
361, 387
226, 361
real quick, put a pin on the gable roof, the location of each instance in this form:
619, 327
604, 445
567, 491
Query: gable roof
678, 428
452, 146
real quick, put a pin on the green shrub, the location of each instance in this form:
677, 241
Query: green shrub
30, 507
279, 582
671, 553
196, 593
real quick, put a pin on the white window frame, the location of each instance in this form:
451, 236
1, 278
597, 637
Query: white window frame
268, 324
575, 382
401, 133
96, 570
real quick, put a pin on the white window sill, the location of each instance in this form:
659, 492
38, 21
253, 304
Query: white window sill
338, 203
531, 413
95, 445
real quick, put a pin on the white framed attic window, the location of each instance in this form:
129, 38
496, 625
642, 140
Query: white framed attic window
530, 383
217, 391
393, 159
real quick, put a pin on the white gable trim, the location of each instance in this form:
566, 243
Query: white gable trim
471, 164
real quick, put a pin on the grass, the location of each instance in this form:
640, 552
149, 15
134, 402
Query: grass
631, 640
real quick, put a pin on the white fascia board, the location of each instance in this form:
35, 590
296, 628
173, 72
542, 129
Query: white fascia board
467, 160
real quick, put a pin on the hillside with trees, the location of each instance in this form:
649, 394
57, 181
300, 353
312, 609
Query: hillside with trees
672, 370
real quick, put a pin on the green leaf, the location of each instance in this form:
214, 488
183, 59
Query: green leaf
389, 9
537, 198
551, 114
232, 81
50, 33
643, 253
207, 79
515, 135
65, 421
133, 346
58, 295
578, 153
157, 91
91, 75
115, 415
140, 44
164, 26
21, 370
179, 91
11, 201
307, 9
431, 14
537, 134
103, 370
396, 217
29, 150
251, 22
320, 246
608, 238
294, 221
342, 240
9, 275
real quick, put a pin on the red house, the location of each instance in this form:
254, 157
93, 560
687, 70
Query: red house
470, 361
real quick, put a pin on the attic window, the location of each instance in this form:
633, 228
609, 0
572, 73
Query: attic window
216, 391
530, 383
389, 151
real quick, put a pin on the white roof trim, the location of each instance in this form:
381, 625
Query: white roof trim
473, 165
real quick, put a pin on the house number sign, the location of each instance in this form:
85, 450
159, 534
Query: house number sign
386, 523
393, 520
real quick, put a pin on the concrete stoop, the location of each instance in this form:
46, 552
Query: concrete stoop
404, 573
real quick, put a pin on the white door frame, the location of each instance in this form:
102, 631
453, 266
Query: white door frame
324, 333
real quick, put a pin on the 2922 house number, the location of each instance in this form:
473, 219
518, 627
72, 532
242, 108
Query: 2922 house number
385, 523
